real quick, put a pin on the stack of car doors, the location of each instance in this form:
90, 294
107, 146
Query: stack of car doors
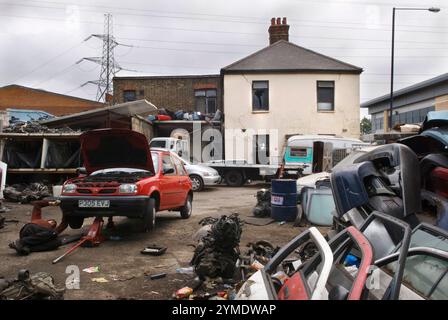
390, 224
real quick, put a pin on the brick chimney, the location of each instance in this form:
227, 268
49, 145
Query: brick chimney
278, 30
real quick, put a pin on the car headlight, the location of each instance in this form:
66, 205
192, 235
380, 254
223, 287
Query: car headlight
206, 174
69, 188
127, 188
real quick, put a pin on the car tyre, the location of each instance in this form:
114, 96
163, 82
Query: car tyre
149, 217
186, 210
234, 178
75, 222
197, 183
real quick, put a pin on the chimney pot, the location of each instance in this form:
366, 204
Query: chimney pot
278, 30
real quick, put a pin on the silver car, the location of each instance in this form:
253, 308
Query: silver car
200, 175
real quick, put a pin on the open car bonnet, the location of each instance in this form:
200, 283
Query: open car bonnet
115, 148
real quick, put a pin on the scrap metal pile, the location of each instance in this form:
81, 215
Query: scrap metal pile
217, 252
381, 245
34, 127
26, 193
39, 286
263, 206
166, 115
218, 263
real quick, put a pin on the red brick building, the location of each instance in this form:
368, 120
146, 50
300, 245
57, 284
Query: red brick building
184, 92
19, 97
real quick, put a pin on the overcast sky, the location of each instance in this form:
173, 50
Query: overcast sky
41, 41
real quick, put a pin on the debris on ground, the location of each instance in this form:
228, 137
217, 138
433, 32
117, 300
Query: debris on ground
25, 287
100, 280
254, 221
263, 206
154, 250
215, 261
183, 293
217, 252
158, 276
25, 193
92, 269
118, 278
187, 270
256, 256
2, 222
34, 127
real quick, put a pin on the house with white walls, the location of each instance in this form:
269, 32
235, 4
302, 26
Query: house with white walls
285, 89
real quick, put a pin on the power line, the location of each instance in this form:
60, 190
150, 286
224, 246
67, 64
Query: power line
260, 20
189, 50
47, 62
263, 45
231, 32
54, 75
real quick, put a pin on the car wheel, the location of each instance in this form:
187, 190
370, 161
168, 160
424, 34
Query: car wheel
149, 217
185, 211
196, 182
234, 178
75, 222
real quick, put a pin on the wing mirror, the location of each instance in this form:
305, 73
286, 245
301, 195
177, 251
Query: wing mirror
81, 171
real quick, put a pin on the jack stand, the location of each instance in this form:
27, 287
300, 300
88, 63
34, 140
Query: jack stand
92, 239
110, 223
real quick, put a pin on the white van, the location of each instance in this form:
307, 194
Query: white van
318, 152
178, 146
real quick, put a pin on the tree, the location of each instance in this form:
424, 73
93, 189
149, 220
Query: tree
366, 125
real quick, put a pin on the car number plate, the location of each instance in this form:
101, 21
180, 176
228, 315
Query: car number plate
93, 203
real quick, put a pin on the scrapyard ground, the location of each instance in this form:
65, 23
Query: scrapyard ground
120, 261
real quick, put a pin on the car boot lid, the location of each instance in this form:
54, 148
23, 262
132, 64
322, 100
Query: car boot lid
115, 148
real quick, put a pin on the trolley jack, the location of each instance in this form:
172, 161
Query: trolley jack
93, 238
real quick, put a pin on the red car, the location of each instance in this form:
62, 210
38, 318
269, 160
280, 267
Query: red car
125, 178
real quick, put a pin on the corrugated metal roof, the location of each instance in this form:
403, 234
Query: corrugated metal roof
284, 56
125, 109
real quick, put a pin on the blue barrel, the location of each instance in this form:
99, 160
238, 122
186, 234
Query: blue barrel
284, 200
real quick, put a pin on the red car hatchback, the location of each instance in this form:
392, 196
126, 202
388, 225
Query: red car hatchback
125, 178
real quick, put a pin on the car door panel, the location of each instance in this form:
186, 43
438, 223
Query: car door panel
168, 184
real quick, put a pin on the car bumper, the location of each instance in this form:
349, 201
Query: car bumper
127, 206
211, 180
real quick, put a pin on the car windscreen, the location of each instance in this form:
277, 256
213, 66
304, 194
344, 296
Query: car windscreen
158, 144
155, 161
